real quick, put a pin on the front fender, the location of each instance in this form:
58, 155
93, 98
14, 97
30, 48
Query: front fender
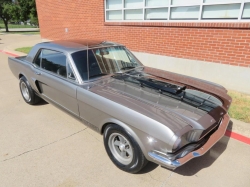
127, 128
146, 142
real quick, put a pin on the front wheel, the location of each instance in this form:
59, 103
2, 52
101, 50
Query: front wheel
123, 150
27, 92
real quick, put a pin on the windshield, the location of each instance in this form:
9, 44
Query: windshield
103, 61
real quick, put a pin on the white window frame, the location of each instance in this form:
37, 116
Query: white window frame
239, 19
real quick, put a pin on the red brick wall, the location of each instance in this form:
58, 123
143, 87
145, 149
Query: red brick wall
227, 43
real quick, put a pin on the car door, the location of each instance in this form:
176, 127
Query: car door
55, 79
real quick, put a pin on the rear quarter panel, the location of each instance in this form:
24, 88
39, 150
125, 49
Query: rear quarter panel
19, 66
15, 65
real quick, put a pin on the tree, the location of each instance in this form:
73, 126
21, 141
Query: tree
18, 10
33, 13
28, 10
5, 6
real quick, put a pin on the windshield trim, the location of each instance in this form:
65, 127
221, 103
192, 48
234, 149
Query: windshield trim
82, 82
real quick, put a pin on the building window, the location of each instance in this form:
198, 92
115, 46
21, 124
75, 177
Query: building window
227, 11
133, 14
177, 10
133, 3
114, 15
185, 13
157, 3
188, 2
113, 4
246, 11
156, 14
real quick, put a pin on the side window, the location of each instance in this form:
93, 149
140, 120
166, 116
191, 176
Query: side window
37, 61
54, 62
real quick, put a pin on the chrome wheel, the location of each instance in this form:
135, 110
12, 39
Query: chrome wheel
121, 148
25, 92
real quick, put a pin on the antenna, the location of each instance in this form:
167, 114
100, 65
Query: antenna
88, 59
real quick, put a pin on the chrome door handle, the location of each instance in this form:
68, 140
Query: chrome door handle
37, 73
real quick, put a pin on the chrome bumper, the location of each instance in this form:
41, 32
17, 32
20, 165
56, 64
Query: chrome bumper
214, 138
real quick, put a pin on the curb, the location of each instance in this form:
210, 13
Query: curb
8, 53
237, 136
228, 133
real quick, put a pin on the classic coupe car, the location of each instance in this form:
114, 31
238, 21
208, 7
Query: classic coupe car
144, 114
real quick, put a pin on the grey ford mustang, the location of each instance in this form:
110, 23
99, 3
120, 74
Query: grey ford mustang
144, 114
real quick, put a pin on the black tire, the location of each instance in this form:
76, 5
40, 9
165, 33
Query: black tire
138, 160
32, 98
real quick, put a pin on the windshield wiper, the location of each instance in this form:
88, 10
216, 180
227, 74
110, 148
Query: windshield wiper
157, 85
129, 68
98, 75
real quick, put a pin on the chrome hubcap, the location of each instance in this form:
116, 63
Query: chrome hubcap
120, 148
25, 91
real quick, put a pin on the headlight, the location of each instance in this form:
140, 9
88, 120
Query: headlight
194, 135
177, 143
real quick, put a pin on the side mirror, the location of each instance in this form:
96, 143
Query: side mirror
71, 76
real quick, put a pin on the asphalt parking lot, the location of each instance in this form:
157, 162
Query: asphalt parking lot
44, 146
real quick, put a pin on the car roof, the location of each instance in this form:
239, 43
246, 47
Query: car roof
69, 46
75, 45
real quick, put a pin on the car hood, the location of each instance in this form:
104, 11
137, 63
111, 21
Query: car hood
175, 105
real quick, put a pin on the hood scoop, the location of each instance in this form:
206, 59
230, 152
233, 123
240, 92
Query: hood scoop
161, 86
151, 83
177, 94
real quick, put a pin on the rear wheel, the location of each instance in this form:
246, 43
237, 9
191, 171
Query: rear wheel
27, 92
123, 150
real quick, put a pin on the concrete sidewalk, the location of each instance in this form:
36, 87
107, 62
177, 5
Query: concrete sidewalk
10, 42
240, 127
21, 30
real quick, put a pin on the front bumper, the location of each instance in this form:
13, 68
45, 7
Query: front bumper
213, 139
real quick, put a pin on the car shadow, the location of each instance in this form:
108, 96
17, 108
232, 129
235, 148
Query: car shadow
195, 165
41, 103
148, 168
230, 126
